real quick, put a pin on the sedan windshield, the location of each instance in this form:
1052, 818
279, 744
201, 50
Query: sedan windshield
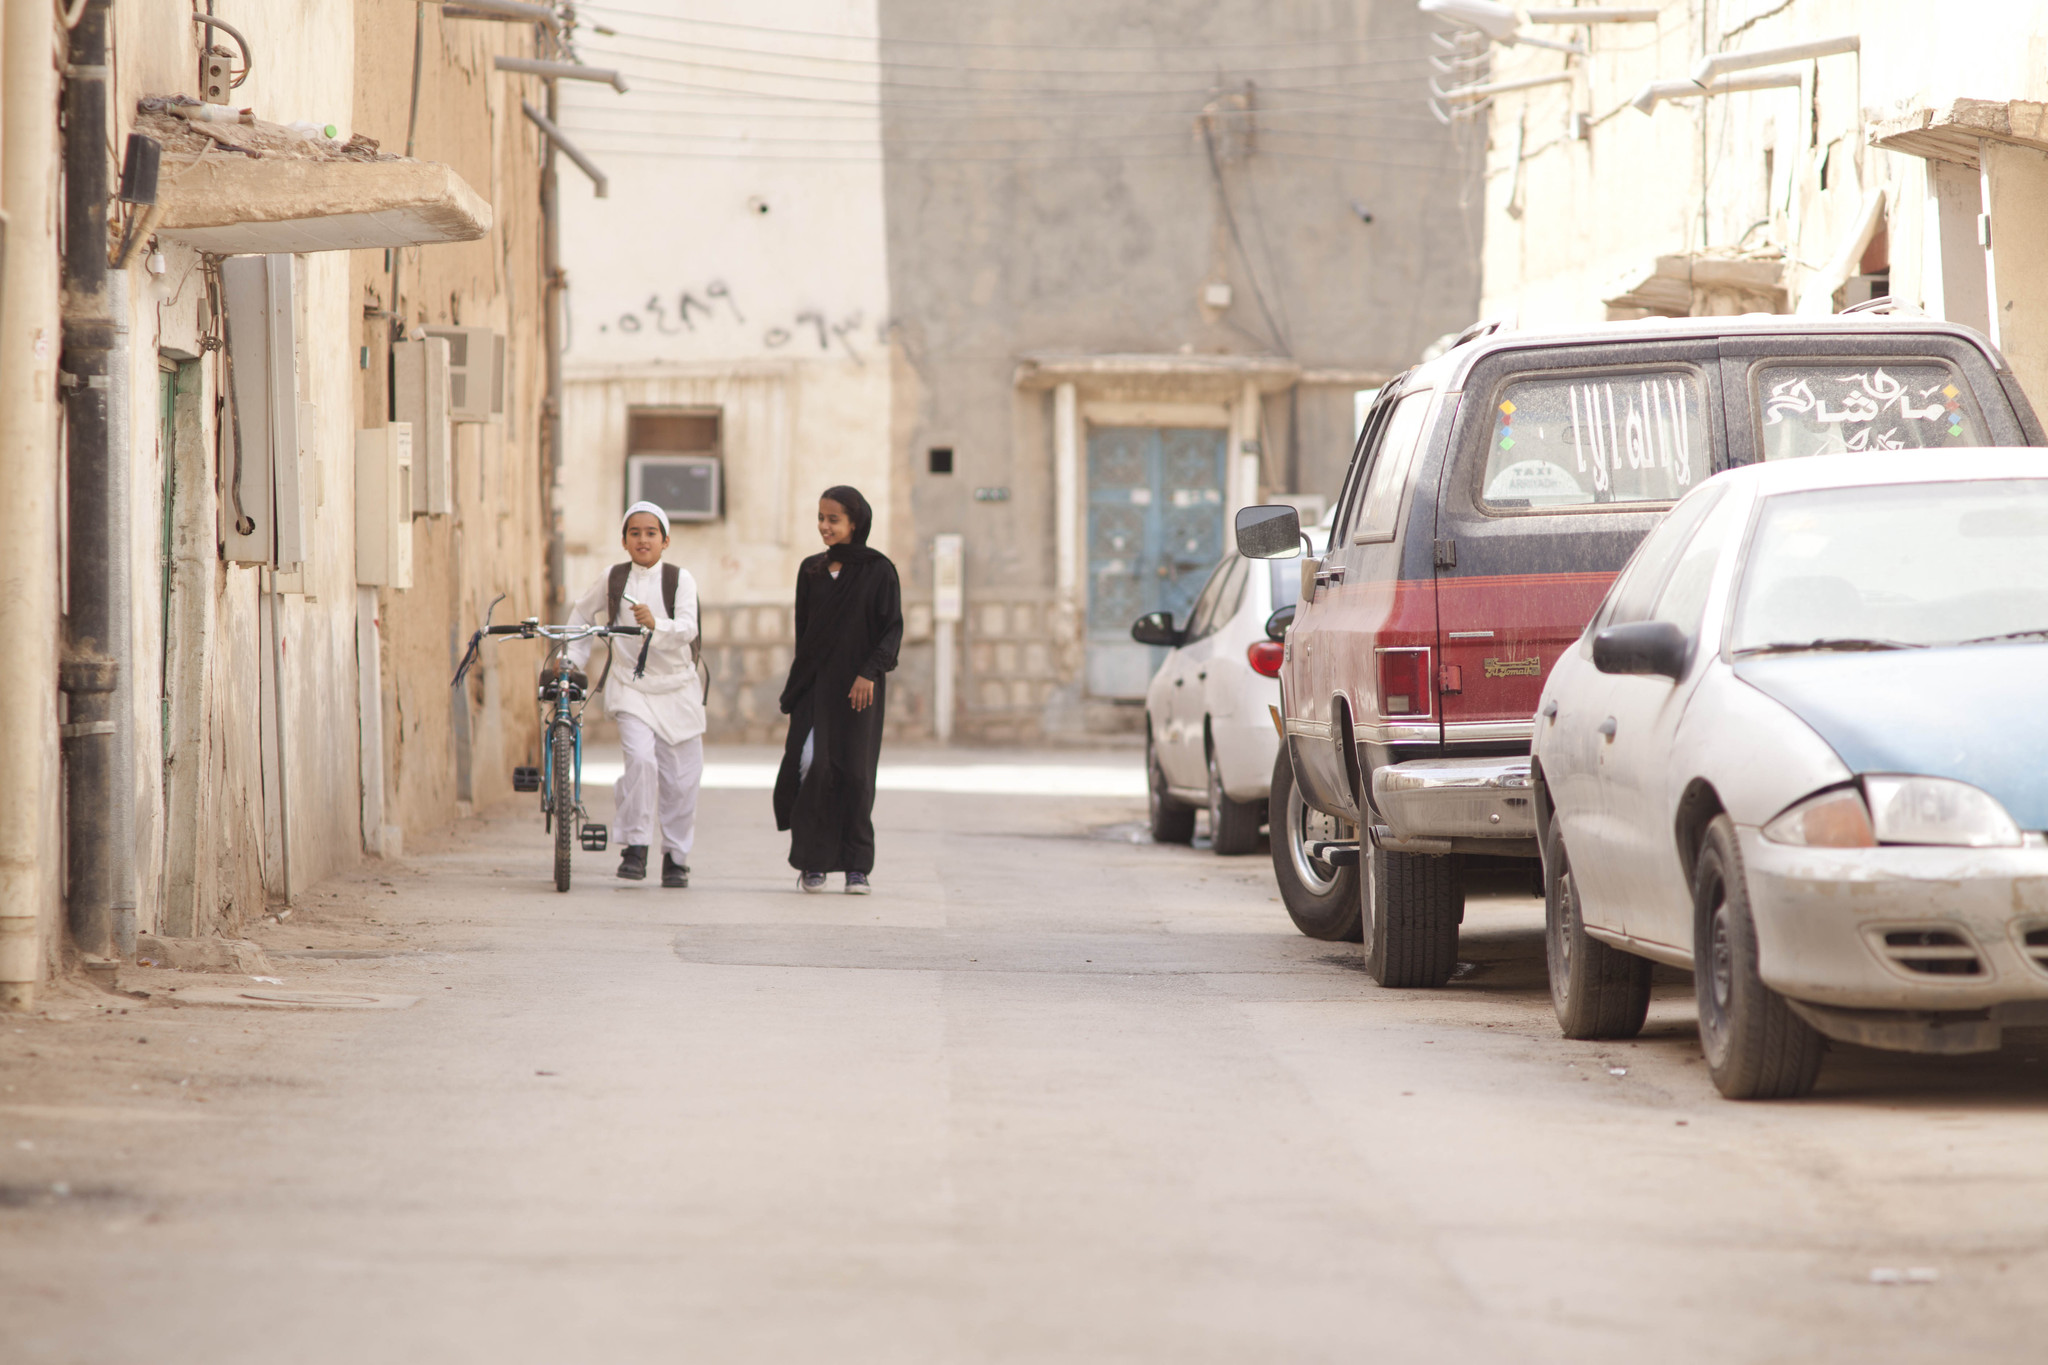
1897, 567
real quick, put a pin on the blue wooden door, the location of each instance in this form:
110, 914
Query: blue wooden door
1155, 529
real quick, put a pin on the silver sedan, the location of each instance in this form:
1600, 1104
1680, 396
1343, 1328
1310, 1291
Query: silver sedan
1799, 750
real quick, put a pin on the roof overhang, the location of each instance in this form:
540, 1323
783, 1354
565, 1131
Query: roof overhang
1957, 132
234, 206
1049, 369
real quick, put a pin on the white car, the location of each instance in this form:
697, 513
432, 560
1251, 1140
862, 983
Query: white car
1210, 738
1800, 751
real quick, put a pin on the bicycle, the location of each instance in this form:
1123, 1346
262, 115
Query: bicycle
564, 691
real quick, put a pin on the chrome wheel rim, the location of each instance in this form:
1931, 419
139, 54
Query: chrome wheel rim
1305, 826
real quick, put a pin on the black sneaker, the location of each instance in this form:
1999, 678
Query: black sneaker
633, 863
674, 873
857, 884
810, 881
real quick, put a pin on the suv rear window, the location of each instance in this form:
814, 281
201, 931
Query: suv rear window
1831, 407
1614, 436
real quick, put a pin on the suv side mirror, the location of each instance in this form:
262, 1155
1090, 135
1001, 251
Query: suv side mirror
1279, 621
1156, 629
1654, 647
1272, 532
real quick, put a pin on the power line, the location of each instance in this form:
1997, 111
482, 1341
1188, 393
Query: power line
672, 154
1071, 97
1002, 46
1184, 114
748, 139
884, 82
879, 61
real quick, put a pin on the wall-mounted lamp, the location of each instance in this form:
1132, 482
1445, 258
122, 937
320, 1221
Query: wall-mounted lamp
1715, 75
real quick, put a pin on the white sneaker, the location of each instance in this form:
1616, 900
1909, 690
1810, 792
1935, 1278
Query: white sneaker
857, 884
810, 881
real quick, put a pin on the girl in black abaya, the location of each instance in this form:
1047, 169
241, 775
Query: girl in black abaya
849, 623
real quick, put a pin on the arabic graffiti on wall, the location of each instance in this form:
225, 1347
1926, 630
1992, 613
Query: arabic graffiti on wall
715, 307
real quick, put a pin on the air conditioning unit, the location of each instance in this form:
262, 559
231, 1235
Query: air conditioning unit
476, 372
422, 396
685, 486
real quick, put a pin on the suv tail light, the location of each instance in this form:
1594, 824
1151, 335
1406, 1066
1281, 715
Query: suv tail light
1404, 682
1265, 657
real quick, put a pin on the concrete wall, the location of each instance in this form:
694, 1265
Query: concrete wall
1090, 222
727, 269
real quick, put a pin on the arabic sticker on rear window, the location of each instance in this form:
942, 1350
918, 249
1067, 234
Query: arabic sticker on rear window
1627, 436
1824, 407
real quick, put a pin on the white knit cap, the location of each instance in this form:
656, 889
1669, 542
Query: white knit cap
659, 515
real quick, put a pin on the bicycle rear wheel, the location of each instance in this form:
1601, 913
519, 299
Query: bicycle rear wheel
564, 759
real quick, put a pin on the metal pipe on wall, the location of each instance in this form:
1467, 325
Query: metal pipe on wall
29, 604
91, 668
552, 286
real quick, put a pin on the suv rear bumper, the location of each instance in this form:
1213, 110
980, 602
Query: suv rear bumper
1428, 800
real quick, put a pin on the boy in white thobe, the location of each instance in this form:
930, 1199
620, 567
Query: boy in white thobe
659, 707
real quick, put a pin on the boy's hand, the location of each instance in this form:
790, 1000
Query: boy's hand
863, 694
643, 614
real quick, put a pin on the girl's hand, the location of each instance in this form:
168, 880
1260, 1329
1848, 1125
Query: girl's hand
643, 614
863, 694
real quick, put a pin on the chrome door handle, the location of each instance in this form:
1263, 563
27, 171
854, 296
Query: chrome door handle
1607, 729
1335, 575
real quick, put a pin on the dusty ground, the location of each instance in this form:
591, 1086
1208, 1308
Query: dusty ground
1049, 1095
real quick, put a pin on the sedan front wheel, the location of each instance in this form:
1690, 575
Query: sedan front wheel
1757, 1048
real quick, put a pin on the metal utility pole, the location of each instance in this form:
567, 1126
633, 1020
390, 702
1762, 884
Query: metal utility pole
96, 634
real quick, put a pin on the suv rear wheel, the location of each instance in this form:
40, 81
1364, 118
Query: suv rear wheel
1322, 900
1411, 904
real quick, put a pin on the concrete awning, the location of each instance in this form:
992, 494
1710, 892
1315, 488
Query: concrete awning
256, 188
1670, 285
1954, 133
243, 207
1046, 369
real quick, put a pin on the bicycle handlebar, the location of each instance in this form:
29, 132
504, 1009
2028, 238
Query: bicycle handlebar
532, 629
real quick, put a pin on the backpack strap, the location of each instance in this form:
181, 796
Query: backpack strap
615, 590
671, 579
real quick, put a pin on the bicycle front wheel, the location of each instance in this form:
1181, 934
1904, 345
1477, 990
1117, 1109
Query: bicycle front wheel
564, 759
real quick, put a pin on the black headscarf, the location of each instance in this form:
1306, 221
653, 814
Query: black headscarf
863, 518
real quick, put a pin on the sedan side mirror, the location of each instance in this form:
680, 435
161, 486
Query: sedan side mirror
1644, 647
1156, 629
1279, 621
1268, 532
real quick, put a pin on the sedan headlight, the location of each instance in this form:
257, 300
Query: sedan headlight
1889, 809
1937, 810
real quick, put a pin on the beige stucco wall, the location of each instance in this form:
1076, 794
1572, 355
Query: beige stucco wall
1568, 218
209, 853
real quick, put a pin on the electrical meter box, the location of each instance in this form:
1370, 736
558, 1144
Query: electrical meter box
476, 372
384, 502
420, 397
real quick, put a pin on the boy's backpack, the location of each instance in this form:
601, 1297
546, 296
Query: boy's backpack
671, 579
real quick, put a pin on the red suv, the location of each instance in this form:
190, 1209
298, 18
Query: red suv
1493, 495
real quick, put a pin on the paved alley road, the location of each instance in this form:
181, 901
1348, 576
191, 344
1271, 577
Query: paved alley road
1049, 1095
